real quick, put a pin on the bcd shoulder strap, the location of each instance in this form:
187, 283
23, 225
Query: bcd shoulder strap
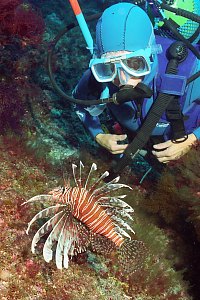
177, 52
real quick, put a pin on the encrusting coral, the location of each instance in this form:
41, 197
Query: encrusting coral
19, 19
21, 27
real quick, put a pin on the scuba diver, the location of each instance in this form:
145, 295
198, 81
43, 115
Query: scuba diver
128, 55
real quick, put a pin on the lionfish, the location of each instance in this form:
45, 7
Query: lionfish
86, 216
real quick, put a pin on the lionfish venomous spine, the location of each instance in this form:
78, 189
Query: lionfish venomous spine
84, 216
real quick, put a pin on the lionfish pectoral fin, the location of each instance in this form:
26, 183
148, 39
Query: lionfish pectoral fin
43, 214
53, 236
60, 246
131, 255
48, 255
38, 198
68, 249
46, 227
67, 246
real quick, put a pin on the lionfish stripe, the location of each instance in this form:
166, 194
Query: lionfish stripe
90, 200
46, 227
65, 194
98, 221
115, 238
42, 214
105, 226
53, 236
86, 216
80, 195
38, 198
92, 213
101, 218
118, 240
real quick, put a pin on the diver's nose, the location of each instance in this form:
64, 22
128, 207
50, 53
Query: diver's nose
122, 75
125, 78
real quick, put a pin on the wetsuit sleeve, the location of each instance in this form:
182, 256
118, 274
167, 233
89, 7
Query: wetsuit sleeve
197, 133
82, 91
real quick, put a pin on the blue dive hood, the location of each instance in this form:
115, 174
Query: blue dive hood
123, 26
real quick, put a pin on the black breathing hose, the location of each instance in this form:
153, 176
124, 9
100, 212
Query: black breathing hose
125, 94
50, 71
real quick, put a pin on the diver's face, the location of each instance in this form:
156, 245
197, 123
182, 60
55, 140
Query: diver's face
123, 77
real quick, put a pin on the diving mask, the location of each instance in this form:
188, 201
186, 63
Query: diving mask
130, 64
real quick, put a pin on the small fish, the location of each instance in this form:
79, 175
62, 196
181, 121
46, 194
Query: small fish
86, 216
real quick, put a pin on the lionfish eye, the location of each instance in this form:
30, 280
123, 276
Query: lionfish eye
63, 190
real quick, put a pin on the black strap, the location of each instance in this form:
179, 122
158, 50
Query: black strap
156, 111
176, 118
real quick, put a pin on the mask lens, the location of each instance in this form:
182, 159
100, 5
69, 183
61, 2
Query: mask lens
137, 64
104, 71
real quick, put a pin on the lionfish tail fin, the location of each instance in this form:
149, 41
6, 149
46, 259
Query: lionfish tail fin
131, 256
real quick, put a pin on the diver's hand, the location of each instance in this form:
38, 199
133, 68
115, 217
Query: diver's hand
110, 142
168, 151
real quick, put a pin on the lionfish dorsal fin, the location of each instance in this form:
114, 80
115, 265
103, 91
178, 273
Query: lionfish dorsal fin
81, 166
66, 182
93, 187
108, 187
93, 168
115, 180
105, 185
74, 175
